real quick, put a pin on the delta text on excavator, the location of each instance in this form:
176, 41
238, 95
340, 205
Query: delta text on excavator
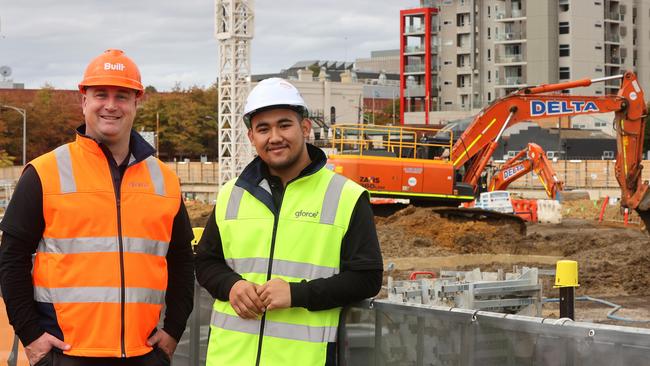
404, 162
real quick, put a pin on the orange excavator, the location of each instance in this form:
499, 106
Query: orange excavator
403, 162
531, 159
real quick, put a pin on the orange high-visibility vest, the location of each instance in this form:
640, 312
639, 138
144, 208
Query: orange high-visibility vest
101, 261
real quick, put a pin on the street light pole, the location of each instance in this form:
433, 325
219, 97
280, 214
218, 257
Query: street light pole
24, 114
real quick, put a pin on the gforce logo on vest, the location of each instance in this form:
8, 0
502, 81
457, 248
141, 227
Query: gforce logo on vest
551, 107
302, 213
114, 67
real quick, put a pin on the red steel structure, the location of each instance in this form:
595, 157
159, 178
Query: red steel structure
418, 29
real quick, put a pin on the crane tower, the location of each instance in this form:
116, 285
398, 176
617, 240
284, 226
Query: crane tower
234, 31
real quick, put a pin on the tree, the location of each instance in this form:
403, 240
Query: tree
187, 122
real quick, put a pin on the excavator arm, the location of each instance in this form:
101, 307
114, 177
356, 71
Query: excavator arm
477, 144
534, 159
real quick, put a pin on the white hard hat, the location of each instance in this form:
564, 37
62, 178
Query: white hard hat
273, 92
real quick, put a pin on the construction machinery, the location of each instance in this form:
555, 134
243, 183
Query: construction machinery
531, 159
404, 162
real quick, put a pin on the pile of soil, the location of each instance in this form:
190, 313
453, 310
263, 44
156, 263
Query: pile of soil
612, 261
199, 212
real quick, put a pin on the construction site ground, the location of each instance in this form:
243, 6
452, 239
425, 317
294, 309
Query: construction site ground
614, 261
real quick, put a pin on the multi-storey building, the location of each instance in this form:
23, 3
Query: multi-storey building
479, 50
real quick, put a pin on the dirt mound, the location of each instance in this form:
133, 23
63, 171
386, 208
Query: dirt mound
419, 231
198, 212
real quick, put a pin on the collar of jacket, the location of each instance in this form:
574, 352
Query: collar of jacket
139, 148
257, 170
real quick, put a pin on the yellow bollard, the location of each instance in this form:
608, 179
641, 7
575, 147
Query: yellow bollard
566, 279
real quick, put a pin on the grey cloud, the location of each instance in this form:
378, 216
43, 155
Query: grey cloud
173, 41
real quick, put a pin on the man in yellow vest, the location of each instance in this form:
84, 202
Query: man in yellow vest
289, 243
111, 236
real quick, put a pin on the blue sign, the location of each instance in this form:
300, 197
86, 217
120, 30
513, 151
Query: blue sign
540, 108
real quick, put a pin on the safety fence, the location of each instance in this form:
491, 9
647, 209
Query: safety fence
383, 333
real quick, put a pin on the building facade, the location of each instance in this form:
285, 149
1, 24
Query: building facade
483, 49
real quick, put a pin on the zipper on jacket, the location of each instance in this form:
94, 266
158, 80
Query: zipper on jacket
276, 218
117, 189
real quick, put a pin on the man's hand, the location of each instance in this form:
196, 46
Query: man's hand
36, 350
164, 342
244, 299
275, 294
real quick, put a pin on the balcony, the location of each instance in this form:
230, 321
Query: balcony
414, 49
414, 29
463, 49
612, 16
612, 38
510, 82
464, 28
514, 14
512, 37
612, 60
509, 59
465, 89
414, 91
415, 68
464, 69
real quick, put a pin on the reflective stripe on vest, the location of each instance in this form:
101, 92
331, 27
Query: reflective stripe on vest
309, 230
274, 329
281, 268
98, 294
103, 245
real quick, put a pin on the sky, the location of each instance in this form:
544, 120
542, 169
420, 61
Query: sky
172, 41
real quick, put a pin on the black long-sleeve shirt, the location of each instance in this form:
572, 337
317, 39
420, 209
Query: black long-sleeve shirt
361, 262
23, 226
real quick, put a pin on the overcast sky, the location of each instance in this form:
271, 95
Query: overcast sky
51, 41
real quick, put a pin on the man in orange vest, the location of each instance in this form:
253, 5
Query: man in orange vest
111, 236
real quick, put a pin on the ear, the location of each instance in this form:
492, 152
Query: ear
83, 101
250, 135
305, 124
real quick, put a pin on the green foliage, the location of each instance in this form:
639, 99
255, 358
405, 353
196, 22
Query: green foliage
187, 126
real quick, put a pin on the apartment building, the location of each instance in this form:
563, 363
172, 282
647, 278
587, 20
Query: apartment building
475, 51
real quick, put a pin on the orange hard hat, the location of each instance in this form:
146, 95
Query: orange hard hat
112, 68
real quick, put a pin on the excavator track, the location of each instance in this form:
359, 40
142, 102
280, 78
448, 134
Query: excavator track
477, 214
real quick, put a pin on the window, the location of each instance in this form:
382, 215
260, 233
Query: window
489, 54
565, 73
599, 92
446, 22
598, 69
598, 3
489, 96
564, 50
489, 77
488, 32
488, 11
447, 62
599, 47
564, 27
447, 82
598, 25
448, 102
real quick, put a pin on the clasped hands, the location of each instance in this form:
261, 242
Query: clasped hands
249, 300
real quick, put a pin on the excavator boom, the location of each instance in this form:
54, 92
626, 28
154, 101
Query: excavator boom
531, 159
